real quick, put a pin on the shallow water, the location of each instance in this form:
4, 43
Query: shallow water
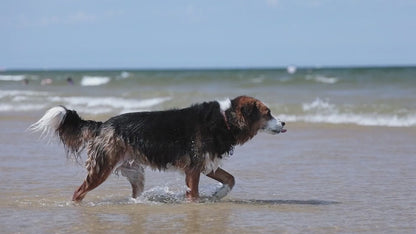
347, 163
314, 178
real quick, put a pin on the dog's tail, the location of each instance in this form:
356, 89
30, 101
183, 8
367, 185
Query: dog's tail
73, 131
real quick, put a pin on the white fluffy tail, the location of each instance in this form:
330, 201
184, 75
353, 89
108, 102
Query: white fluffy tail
50, 122
73, 131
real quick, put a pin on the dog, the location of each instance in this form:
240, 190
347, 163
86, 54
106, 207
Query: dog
193, 140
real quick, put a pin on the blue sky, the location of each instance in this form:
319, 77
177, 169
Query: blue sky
46, 34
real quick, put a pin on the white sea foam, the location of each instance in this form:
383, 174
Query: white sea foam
12, 77
175, 194
25, 100
357, 119
21, 107
13, 93
94, 80
318, 104
322, 79
21, 100
98, 105
322, 111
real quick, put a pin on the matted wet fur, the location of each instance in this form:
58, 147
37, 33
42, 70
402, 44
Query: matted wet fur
193, 140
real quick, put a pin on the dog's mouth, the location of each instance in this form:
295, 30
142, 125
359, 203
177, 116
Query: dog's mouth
280, 131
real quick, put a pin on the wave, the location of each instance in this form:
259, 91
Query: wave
322, 111
94, 80
12, 77
322, 79
318, 104
357, 119
99, 105
14, 93
25, 100
4, 107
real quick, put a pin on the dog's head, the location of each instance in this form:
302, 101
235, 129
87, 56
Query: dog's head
251, 115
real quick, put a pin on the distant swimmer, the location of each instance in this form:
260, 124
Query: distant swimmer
70, 81
25, 81
46, 81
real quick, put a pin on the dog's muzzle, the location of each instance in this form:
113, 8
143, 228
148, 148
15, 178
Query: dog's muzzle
275, 126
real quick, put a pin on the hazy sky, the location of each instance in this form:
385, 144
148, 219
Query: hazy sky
50, 34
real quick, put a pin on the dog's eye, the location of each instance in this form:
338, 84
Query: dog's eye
268, 113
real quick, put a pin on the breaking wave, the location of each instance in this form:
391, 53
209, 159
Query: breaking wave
358, 119
94, 80
21, 100
322, 79
322, 111
12, 77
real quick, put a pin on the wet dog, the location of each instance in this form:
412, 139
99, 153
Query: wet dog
193, 140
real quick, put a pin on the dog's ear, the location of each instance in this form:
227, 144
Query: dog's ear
243, 112
250, 111
246, 115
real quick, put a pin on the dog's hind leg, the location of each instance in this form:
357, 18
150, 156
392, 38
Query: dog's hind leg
135, 175
91, 182
99, 168
226, 179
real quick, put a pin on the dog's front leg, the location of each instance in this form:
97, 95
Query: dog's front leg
226, 179
192, 181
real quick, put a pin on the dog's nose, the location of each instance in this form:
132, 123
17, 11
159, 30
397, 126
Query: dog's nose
283, 123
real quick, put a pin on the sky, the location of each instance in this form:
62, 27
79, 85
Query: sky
111, 34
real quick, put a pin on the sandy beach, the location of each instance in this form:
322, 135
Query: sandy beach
314, 178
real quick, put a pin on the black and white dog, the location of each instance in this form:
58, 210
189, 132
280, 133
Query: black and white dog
193, 140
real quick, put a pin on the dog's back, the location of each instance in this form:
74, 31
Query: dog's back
164, 138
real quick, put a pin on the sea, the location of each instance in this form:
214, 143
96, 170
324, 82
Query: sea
347, 163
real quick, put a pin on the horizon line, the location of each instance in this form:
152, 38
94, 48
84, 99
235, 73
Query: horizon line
207, 68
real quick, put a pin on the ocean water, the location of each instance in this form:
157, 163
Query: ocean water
346, 164
361, 96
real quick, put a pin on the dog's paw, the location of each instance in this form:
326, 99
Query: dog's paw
221, 192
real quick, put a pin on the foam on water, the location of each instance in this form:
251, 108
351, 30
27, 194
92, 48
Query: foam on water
12, 77
97, 105
318, 104
163, 194
21, 107
357, 119
26, 100
322, 79
322, 111
13, 93
21, 100
168, 194
94, 80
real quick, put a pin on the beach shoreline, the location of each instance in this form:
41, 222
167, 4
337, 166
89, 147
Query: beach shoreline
315, 177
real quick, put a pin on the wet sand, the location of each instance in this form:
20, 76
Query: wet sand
318, 178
